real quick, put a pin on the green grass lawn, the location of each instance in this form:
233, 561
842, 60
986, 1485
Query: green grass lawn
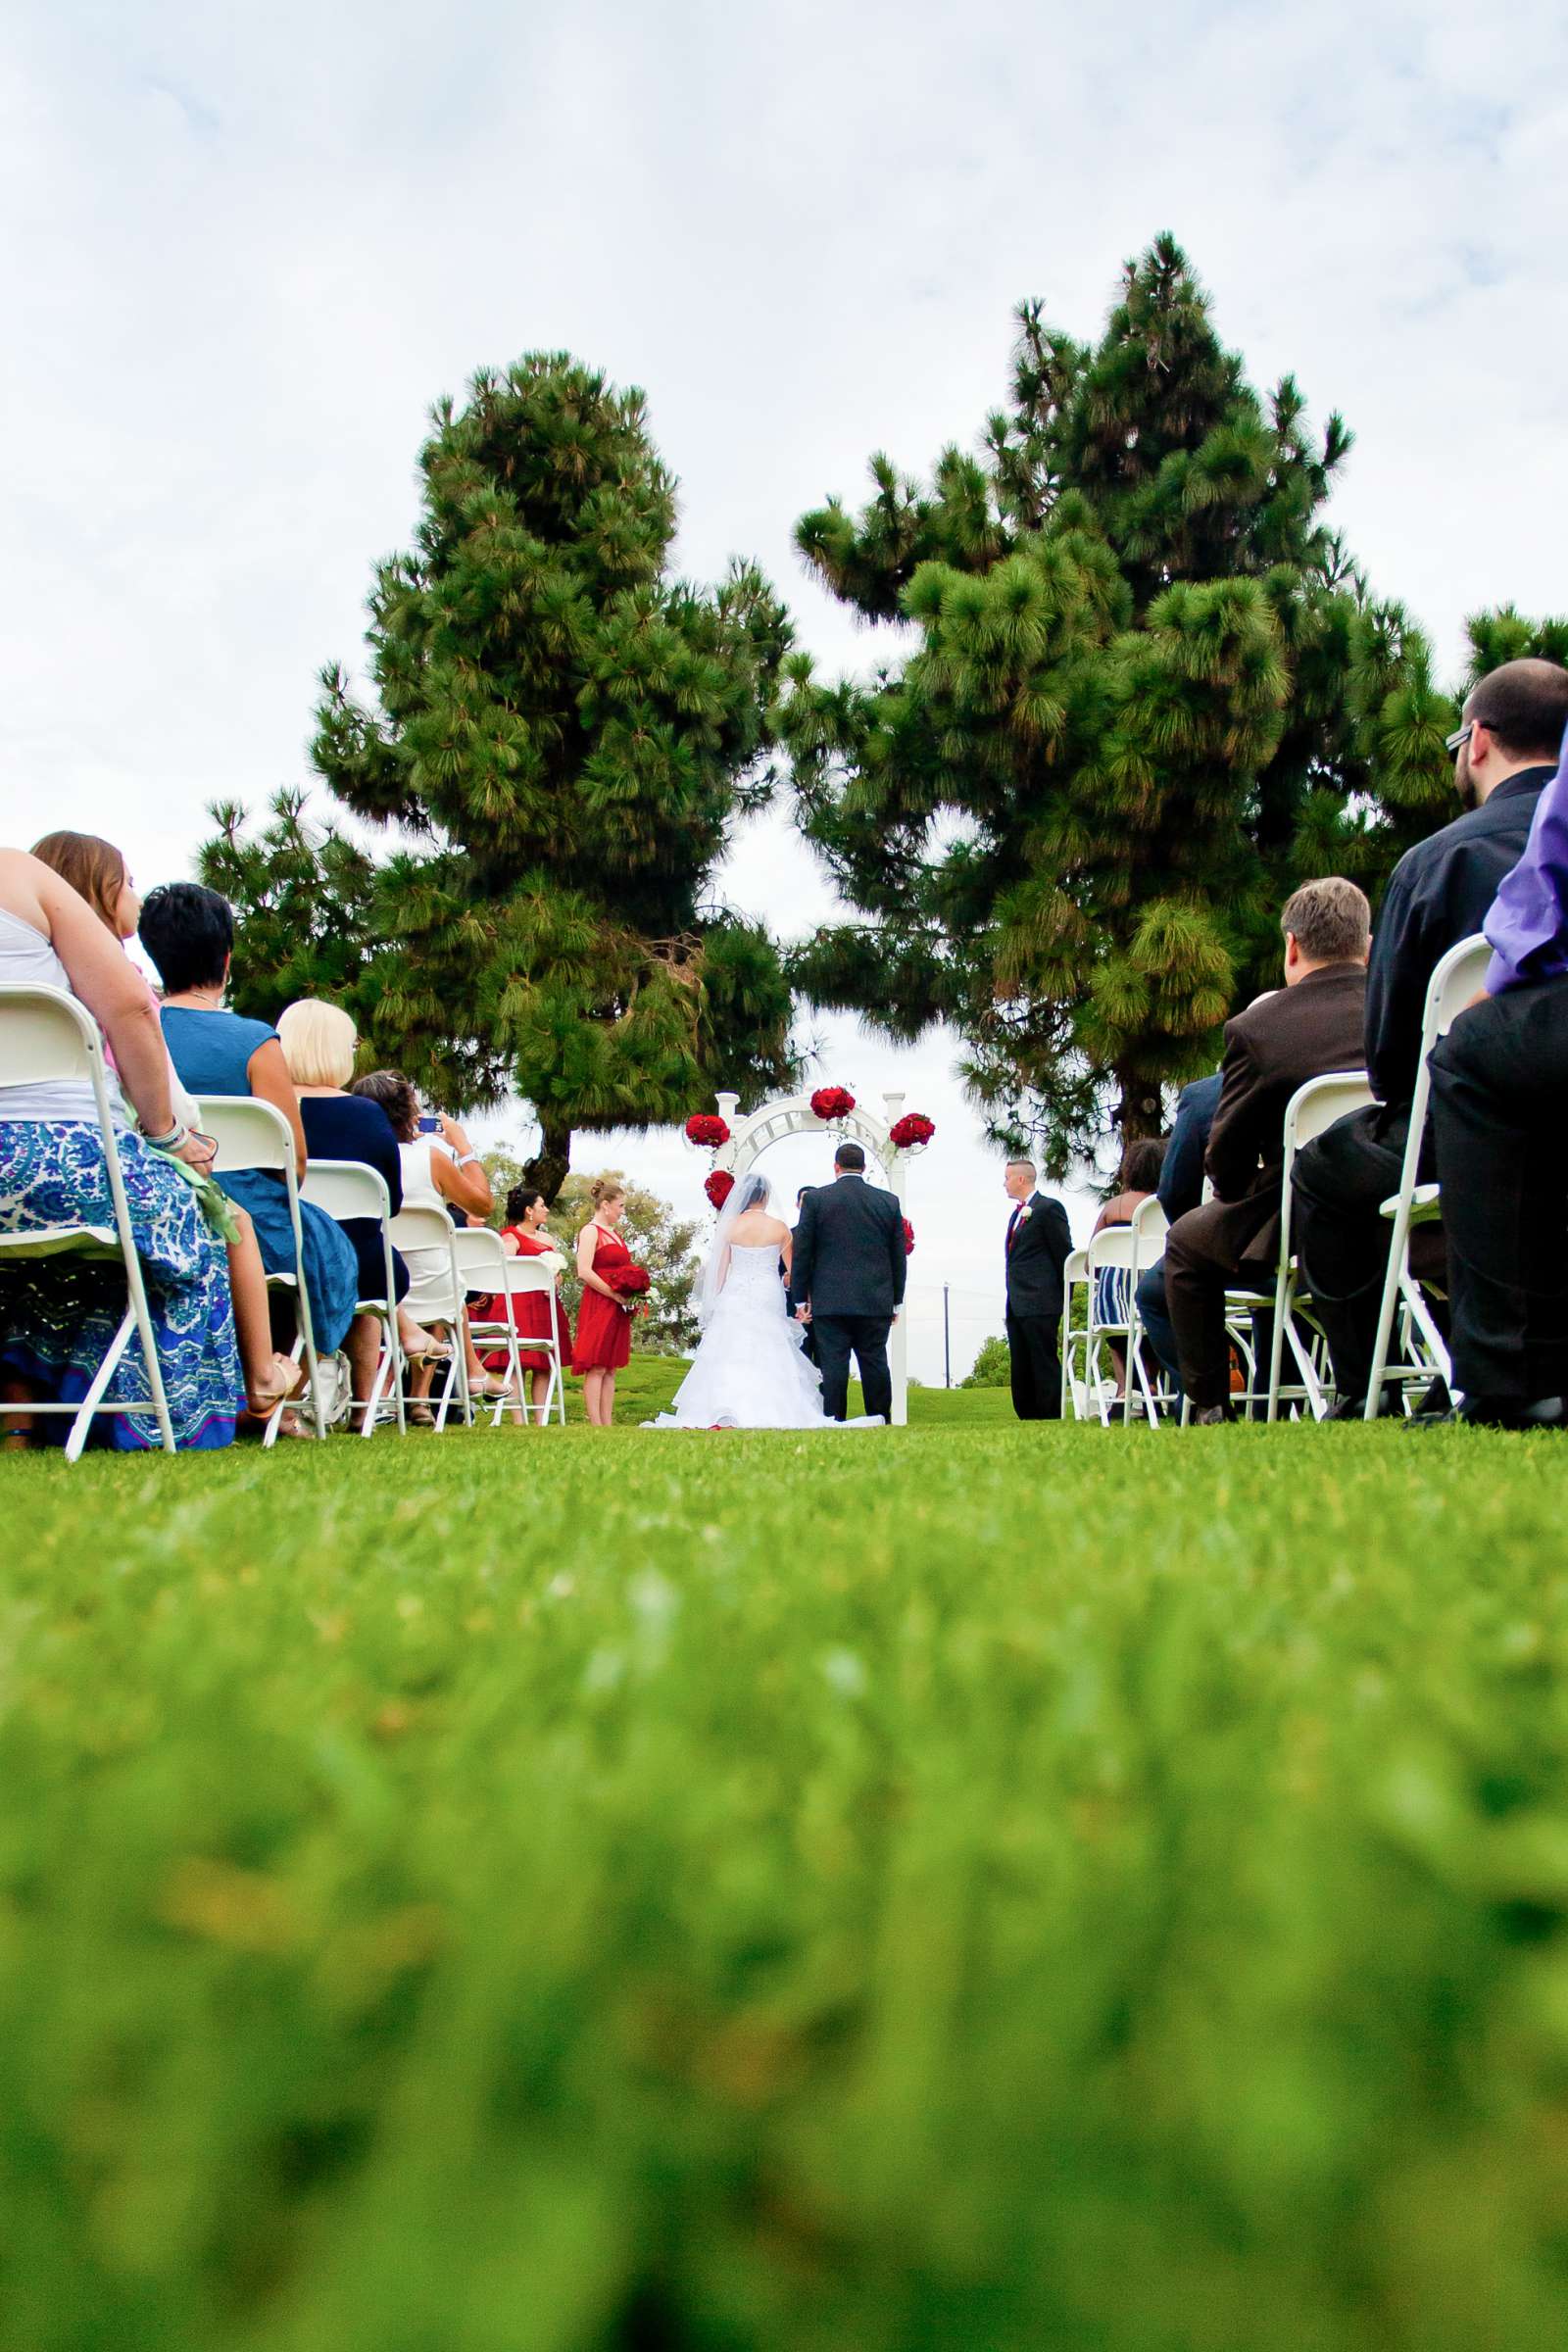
969, 1886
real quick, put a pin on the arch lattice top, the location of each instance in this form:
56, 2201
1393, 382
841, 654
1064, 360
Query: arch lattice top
751, 1133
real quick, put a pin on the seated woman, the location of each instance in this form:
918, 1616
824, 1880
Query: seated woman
1137, 1180
62, 1315
96, 871
189, 934
453, 1175
534, 1315
319, 1042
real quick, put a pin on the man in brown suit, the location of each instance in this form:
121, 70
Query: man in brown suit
1312, 1025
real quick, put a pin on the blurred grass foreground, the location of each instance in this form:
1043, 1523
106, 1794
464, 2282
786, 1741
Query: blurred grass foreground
968, 1886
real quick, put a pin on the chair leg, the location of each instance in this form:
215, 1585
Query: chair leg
93, 1399
1392, 1284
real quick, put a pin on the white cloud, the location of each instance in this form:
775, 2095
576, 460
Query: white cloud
245, 251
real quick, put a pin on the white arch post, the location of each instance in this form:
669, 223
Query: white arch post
751, 1134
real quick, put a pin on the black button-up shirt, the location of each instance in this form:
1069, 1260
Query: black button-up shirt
1439, 893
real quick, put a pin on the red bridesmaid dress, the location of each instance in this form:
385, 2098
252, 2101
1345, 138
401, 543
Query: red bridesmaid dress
604, 1329
530, 1312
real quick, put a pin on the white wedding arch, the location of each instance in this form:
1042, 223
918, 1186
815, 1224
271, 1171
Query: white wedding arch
752, 1132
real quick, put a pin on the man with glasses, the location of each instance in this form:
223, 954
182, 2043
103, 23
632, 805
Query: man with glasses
1506, 754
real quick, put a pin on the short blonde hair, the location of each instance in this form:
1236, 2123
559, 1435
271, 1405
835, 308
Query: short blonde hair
318, 1042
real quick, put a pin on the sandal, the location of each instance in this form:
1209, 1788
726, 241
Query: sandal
418, 1416
286, 1380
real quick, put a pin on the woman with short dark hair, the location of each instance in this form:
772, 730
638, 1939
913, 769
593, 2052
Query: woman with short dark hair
534, 1315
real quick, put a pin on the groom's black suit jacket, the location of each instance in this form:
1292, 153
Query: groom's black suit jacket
1039, 1246
850, 1257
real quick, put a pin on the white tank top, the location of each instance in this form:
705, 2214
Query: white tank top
28, 960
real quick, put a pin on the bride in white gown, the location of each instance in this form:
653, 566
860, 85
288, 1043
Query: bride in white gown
748, 1371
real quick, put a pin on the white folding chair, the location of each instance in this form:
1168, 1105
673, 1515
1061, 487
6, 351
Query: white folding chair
345, 1189
1149, 1229
525, 1277
47, 1037
1075, 1339
251, 1134
423, 1225
1455, 979
1312, 1107
482, 1263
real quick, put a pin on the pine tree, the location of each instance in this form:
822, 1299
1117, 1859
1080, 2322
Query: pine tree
562, 737
1150, 695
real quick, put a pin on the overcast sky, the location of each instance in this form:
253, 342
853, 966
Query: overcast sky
245, 249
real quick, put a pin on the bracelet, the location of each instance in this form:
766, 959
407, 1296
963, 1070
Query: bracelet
469, 1159
178, 1135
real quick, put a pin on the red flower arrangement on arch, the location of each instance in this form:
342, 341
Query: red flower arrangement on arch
707, 1130
909, 1239
718, 1187
832, 1103
910, 1132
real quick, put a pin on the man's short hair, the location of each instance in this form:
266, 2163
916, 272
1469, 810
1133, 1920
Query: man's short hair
1329, 920
850, 1156
1524, 704
1023, 1163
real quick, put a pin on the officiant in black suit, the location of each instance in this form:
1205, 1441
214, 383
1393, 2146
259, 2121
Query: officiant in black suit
1039, 1245
850, 1269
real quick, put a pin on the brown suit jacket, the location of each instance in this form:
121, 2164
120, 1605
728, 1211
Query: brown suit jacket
1270, 1050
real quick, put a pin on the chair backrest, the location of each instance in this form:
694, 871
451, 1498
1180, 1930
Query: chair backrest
1319, 1103
47, 1037
420, 1225
1455, 978
481, 1260
1112, 1245
346, 1187
249, 1134
525, 1274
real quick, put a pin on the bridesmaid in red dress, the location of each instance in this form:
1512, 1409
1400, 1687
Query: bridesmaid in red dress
604, 1321
535, 1312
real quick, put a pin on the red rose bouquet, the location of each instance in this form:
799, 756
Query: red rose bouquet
832, 1101
909, 1132
909, 1239
707, 1130
628, 1284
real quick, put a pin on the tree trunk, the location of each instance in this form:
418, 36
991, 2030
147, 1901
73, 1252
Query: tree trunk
1141, 1108
550, 1163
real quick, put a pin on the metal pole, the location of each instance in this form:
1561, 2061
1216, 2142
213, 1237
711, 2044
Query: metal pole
947, 1351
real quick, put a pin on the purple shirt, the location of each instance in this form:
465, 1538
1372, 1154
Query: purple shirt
1527, 924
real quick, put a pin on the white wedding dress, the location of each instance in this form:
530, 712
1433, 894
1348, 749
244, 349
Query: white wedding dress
749, 1372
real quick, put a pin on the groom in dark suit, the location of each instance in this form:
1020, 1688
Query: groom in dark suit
1039, 1245
850, 1269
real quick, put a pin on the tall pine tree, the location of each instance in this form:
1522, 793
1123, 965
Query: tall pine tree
1150, 695
562, 738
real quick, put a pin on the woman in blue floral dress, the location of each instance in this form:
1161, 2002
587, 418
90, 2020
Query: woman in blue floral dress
59, 1316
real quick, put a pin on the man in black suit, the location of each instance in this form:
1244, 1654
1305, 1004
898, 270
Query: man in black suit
1440, 893
850, 1270
1306, 1029
1038, 1246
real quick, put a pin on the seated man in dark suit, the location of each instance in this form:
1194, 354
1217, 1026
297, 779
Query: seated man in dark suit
849, 1274
1038, 1246
1440, 894
1311, 1026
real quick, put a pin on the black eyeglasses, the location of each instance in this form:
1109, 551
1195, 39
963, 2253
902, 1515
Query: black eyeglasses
1462, 735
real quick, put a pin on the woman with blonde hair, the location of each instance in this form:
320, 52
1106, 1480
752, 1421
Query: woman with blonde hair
603, 1319
319, 1042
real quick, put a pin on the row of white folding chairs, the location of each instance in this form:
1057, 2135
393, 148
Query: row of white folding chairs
47, 1037
1127, 1252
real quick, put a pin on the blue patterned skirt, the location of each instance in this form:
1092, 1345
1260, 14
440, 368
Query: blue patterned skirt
331, 1272
59, 1315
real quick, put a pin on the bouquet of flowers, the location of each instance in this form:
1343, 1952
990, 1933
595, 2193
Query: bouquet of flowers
910, 1132
707, 1130
909, 1239
832, 1103
718, 1187
629, 1283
